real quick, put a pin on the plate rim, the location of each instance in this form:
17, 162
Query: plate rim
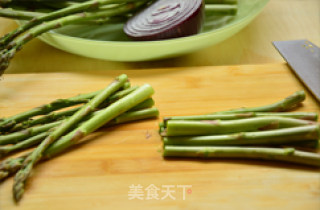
203, 35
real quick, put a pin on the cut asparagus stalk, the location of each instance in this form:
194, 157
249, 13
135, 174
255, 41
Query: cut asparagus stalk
126, 85
162, 128
136, 115
189, 128
120, 94
145, 104
287, 154
311, 144
312, 116
115, 109
36, 155
283, 105
284, 136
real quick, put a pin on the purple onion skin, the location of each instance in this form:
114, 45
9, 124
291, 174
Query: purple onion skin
190, 25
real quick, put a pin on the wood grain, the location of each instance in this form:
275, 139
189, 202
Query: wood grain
97, 173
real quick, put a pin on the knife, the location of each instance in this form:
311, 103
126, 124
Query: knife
304, 59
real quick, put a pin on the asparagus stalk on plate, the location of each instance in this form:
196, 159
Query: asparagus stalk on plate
43, 16
10, 49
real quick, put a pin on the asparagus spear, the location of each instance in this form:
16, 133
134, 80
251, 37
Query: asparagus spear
121, 94
312, 116
311, 144
12, 165
132, 115
17, 14
287, 154
51, 117
283, 105
135, 115
34, 140
282, 136
104, 116
35, 156
18, 136
146, 104
191, 127
10, 122
7, 54
21, 136
63, 114
28, 15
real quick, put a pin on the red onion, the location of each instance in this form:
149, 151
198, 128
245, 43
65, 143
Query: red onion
166, 19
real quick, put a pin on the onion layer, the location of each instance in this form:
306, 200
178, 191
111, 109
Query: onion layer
166, 19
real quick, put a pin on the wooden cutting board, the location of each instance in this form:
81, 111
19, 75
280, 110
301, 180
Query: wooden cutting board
104, 171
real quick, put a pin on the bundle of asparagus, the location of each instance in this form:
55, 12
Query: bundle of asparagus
42, 16
267, 132
55, 131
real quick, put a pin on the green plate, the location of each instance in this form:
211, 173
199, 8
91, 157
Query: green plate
108, 42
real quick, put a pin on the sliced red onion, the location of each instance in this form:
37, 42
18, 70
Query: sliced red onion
166, 19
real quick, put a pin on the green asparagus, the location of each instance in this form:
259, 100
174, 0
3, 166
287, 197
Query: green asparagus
271, 137
193, 127
18, 136
312, 116
10, 50
34, 140
283, 105
104, 116
12, 165
287, 154
36, 155
73, 9
52, 116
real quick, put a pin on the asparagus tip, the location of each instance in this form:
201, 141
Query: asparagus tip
3, 175
18, 186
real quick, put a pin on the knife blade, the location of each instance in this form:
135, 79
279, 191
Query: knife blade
304, 59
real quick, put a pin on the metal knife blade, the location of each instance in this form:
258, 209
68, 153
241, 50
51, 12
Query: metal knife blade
304, 58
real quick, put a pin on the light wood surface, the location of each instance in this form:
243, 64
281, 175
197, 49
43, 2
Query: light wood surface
280, 20
98, 173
